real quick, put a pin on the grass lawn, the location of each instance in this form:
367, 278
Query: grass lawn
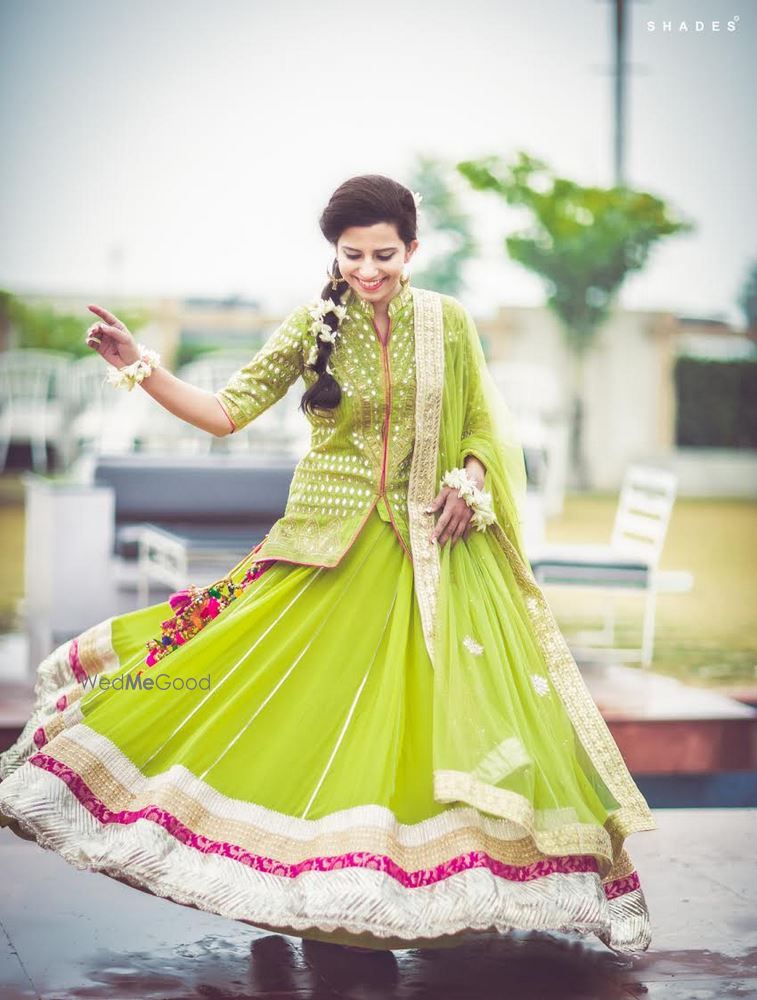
707, 637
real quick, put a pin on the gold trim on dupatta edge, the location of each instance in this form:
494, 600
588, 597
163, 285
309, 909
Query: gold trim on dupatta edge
634, 814
429, 364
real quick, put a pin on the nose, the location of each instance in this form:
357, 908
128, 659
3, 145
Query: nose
370, 274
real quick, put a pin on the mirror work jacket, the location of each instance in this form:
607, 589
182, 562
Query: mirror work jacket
360, 452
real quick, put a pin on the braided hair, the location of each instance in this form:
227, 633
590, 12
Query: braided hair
359, 201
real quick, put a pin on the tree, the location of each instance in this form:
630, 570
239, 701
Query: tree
583, 241
748, 297
41, 326
445, 225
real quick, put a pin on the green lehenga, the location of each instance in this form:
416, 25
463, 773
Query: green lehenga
394, 751
295, 791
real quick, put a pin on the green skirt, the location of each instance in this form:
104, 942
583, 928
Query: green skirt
264, 750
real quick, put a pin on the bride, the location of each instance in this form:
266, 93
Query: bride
395, 747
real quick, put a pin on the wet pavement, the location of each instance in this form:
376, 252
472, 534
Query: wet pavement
66, 933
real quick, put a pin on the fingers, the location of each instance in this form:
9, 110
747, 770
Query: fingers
446, 523
96, 332
437, 501
453, 524
107, 316
438, 532
454, 521
457, 534
94, 336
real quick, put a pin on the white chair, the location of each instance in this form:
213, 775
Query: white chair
274, 432
89, 403
628, 563
33, 403
104, 419
535, 396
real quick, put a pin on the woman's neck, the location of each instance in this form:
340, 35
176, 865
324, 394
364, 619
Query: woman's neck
381, 322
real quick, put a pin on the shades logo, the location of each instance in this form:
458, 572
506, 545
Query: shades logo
684, 27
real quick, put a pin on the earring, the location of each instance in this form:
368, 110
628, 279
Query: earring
334, 279
404, 279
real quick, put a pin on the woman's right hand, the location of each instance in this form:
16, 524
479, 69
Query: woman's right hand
116, 345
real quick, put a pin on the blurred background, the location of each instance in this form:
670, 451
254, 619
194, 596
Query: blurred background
588, 194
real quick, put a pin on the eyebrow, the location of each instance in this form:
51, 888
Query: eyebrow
380, 250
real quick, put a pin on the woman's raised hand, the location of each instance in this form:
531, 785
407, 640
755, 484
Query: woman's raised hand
111, 339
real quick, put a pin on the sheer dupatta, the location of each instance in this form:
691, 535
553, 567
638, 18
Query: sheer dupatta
516, 732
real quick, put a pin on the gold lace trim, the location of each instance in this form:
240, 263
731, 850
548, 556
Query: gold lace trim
119, 785
341, 903
429, 358
634, 813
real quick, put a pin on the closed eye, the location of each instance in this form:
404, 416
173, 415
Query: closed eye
350, 256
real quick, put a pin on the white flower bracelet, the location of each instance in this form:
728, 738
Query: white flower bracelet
479, 500
138, 370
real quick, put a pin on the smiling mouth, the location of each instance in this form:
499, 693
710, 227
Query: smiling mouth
370, 285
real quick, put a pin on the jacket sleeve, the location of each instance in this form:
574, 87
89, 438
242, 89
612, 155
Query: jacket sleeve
266, 377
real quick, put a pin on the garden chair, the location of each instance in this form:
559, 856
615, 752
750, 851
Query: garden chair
629, 562
534, 396
33, 403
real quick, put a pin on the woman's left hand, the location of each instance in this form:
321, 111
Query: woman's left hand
454, 520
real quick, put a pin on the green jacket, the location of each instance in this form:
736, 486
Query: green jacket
360, 453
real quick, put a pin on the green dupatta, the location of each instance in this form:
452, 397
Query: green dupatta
516, 731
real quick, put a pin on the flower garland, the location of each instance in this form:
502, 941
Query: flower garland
195, 607
320, 329
137, 371
479, 500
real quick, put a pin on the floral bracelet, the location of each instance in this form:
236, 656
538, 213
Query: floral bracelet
138, 370
479, 500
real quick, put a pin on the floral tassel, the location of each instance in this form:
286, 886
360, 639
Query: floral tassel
195, 607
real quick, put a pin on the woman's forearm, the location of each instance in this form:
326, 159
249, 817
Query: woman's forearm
476, 469
187, 402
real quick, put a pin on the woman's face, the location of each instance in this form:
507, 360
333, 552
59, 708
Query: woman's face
371, 259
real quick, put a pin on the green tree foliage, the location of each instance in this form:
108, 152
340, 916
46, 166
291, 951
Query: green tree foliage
43, 327
442, 220
582, 241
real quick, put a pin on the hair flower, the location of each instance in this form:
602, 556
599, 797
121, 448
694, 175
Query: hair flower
417, 198
320, 329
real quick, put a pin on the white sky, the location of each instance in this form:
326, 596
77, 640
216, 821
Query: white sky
186, 147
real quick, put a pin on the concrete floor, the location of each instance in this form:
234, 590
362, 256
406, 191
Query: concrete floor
66, 933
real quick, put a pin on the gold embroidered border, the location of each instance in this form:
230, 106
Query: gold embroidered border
119, 785
429, 362
95, 648
634, 813
344, 903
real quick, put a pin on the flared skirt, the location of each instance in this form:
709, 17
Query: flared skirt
265, 752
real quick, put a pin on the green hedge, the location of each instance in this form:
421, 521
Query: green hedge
716, 403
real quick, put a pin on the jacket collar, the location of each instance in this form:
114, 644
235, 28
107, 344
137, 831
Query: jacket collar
399, 301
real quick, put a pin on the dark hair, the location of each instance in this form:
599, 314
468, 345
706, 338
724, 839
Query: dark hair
359, 201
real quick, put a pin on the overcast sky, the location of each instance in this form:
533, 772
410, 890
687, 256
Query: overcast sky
187, 147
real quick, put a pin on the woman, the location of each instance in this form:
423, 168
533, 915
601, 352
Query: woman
372, 731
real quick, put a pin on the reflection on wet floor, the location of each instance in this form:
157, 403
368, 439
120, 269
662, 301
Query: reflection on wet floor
66, 933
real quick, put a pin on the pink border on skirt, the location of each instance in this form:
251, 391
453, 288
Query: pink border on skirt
361, 859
